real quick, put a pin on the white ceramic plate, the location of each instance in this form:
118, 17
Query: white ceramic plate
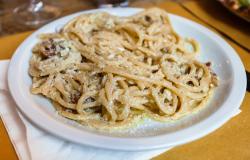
150, 135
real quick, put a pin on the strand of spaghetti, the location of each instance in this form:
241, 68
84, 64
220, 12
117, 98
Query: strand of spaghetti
118, 71
82, 100
166, 108
79, 117
107, 105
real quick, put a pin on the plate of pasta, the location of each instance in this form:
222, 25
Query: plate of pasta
126, 79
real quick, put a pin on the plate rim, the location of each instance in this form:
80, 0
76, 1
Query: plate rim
134, 143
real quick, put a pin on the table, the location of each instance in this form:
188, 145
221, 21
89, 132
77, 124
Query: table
231, 141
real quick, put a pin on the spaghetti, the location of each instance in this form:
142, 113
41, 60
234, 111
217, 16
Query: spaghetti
105, 71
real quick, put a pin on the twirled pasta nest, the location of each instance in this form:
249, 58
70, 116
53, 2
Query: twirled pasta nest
105, 71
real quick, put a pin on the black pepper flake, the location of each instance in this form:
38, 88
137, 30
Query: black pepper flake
208, 64
148, 19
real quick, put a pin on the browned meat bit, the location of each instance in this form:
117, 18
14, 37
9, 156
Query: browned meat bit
208, 64
74, 97
48, 48
148, 19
